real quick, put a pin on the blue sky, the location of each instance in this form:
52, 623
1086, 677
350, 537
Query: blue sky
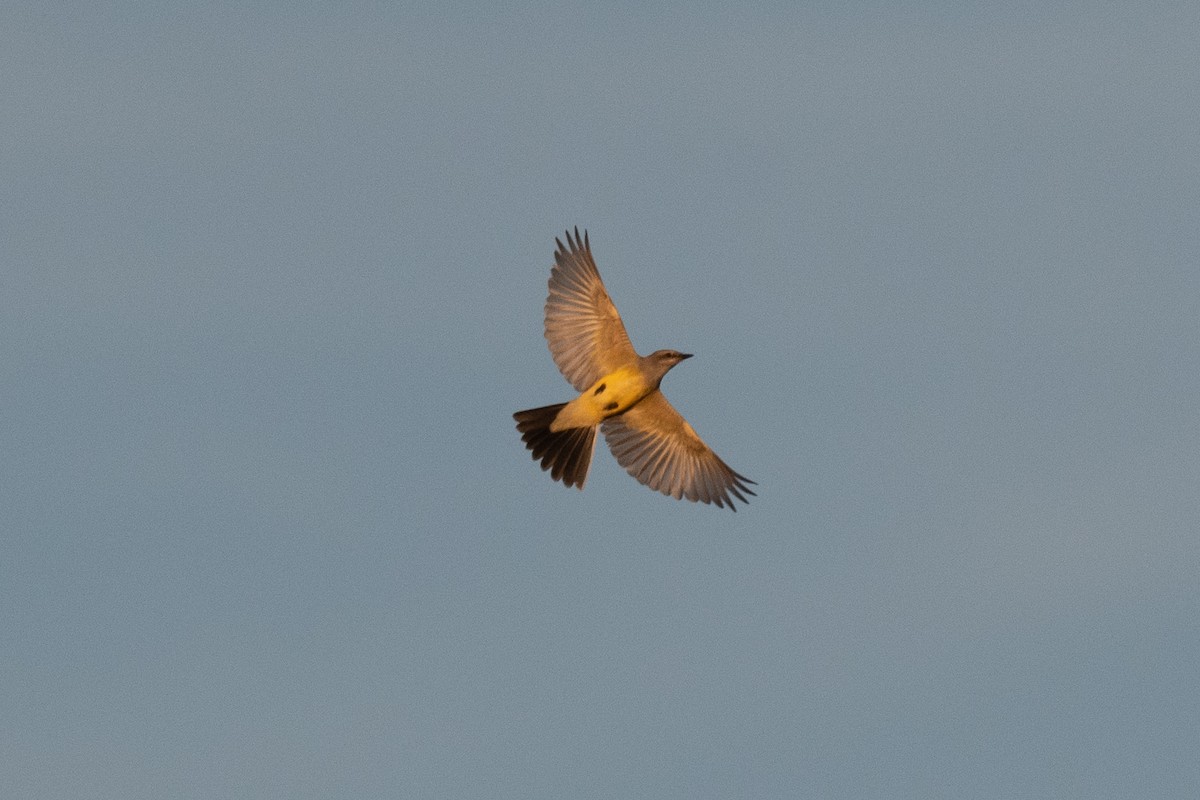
273, 279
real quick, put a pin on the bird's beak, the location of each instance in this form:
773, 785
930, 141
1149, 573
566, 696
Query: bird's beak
682, 356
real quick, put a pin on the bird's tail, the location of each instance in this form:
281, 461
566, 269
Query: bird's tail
567, 453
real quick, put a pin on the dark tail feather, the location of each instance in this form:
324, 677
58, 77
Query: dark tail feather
567, 454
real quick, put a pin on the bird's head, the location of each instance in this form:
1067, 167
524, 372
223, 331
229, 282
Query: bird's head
660, 361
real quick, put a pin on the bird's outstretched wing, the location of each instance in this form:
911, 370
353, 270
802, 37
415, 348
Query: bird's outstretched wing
656, 445
584, 330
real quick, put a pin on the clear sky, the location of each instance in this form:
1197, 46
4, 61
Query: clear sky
271, 285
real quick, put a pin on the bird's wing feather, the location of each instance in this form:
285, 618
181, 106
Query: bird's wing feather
586, 336
656, 445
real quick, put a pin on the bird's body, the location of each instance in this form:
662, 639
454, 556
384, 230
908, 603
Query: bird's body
611, 394
619, 394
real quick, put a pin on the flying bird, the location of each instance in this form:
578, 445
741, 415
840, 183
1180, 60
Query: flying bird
619, 394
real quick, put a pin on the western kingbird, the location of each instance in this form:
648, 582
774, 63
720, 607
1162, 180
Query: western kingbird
618, 393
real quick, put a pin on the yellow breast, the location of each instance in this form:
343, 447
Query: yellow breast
610, 395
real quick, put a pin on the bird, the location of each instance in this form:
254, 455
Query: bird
619, 394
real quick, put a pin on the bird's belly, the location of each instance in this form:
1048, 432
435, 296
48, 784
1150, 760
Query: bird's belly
617, 391
613, 394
